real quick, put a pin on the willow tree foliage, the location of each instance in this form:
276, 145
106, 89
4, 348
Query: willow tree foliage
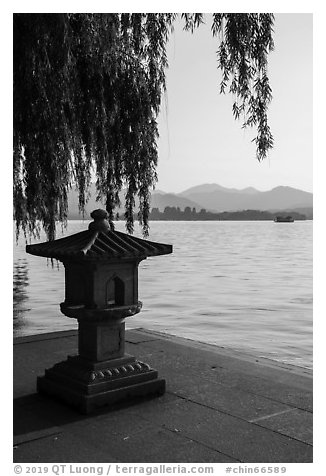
87, 93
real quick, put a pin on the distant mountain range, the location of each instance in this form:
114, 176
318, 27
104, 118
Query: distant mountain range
159, 200
215, 198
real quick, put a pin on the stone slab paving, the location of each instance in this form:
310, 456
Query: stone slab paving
219, 407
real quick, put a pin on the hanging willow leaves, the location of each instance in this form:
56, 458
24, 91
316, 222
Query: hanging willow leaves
87, 93
245, 41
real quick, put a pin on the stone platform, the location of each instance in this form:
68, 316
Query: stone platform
220, 406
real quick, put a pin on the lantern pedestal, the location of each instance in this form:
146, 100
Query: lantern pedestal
101, 374
89, 385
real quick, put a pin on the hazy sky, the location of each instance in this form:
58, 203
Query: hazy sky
200, 142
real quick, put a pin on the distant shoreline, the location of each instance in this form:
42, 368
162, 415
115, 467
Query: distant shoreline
173, 214
203, 219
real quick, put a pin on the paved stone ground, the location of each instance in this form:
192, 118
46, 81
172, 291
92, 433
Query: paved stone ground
219, 407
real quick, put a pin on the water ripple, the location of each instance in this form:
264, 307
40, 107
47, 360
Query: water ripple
241, 285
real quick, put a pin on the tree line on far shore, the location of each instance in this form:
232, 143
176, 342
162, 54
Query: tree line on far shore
189, 214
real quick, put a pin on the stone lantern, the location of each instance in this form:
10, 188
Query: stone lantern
101, 290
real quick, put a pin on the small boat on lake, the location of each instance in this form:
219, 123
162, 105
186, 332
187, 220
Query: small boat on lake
287, 219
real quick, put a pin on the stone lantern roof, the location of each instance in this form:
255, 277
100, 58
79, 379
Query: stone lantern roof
99, 242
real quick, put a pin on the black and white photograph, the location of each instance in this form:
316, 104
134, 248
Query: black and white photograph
162, 240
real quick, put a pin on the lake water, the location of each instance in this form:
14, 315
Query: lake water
245, 286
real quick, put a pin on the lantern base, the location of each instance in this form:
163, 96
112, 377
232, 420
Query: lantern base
90, 385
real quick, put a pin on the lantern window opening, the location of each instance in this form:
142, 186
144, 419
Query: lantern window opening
115, 292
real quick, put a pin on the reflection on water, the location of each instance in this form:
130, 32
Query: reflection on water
241, 285
20, 294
